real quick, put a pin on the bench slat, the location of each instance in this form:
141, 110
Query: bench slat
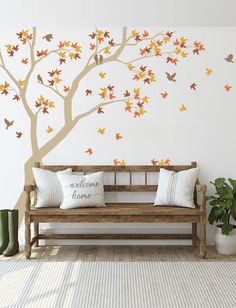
130, 188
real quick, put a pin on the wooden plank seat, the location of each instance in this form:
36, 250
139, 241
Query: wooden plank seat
125, 212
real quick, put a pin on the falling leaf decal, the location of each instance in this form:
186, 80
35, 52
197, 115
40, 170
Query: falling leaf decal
19, 135
228, 87
122, 162
102, 75
209, 71
24, 60
182, 108
118, 136
154, 162
101, 131
164, 94
16, 98
89, 151
100, 110
193, 86
49, 129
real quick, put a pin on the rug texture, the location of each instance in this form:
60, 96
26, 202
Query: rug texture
118, 284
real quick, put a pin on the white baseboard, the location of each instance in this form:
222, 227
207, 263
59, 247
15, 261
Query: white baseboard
118, 229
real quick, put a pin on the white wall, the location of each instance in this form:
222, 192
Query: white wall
188, 13
207, 131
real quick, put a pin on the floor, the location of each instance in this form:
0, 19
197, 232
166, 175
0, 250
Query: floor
118, 253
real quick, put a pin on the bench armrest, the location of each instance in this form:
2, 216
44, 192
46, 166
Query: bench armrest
201, 190
28, 189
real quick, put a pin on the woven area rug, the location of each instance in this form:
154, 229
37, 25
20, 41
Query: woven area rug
118, 284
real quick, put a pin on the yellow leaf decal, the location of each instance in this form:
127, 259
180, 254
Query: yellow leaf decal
101, 131
107, 50
209, 71
130, 66
182, 108
102, 75
49, 129
21, 82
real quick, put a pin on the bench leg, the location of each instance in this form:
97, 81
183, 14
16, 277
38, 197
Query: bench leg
194, 234
36, 233
202, 240
27, 239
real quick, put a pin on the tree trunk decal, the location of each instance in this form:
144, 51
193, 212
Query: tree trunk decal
102, 49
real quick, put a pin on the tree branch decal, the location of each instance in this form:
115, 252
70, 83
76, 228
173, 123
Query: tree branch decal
102, 50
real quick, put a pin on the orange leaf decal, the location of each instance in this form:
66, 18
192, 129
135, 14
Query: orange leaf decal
154, 162
89, 151
100, 110
193, 86
228, 87
66, 89
24, 60
118, 136
19, 135
164, 94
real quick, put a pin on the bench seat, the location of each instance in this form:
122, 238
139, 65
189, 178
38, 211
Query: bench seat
121, 209
125, 212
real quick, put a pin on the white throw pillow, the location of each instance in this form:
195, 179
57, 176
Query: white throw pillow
176, 188
49, 192
82, 190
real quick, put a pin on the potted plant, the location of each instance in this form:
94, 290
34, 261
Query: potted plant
223, 212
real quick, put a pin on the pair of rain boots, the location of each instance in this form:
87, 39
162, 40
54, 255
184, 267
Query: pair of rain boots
9, 244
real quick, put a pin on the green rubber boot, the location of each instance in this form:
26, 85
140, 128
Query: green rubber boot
13, 245
4, 236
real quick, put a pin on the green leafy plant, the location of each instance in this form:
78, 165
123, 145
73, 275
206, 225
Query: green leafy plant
223, 204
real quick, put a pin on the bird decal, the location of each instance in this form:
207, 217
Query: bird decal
100, 59
96, 59
229, 58
171, 77
48, 37
40, 79
8, 123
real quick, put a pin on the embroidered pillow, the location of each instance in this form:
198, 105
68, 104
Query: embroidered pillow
82, 191
49, 192
176, 188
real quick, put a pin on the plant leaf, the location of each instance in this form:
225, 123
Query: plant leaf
226, 228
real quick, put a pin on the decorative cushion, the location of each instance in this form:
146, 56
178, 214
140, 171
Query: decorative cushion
49, 192
82, 190
176, 188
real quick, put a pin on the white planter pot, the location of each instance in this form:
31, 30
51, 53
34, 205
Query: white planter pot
225, 244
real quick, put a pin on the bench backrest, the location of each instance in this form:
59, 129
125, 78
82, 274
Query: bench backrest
145, 187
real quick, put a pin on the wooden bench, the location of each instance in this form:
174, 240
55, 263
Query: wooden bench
119, 212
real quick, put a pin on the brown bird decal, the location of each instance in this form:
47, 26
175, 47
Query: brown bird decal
96, 59
171, 77
48, 37
40, 79
229, 58
100, 59
8, 123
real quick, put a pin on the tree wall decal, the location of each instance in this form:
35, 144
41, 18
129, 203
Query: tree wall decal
102, 49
